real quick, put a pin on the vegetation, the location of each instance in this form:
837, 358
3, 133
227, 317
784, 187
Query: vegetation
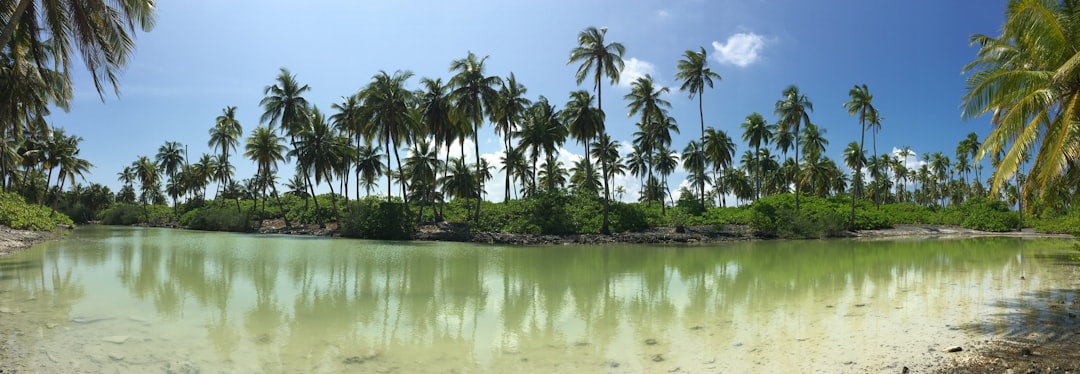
16, 213
405, 134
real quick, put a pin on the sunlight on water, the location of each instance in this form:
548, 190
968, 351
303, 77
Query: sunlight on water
156, 300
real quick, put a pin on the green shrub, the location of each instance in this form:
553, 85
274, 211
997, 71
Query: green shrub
218, 218
122, 214
987, 215
1067, 224
727, 216
373, 218
16, 213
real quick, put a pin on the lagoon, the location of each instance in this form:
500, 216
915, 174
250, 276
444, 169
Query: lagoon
123, 299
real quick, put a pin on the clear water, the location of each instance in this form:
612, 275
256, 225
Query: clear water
118, 299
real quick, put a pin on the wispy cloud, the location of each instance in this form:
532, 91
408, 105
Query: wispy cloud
742, 49
635, 69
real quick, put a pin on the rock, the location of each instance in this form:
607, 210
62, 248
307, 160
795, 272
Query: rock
953, 349
1026, 352
905, 370
182, 367
51, 325
116, 357
658, 357
613, 364
118, 339
650, 341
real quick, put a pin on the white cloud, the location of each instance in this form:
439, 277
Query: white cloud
742, 49
912, 161
663, 14
635, 69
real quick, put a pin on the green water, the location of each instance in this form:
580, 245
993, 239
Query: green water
117, 299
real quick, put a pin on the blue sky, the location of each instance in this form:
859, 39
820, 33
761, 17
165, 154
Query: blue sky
205, 55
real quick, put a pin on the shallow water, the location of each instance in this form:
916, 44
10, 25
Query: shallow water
118, 299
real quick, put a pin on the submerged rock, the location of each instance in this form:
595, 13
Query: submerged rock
954, 349
118, 339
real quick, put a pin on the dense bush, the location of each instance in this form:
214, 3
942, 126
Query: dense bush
218, 218
987, 215
727, 216
130, 214
374, 218
775, 216
16, 213
1066, 224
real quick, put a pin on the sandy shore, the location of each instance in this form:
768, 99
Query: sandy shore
13, 240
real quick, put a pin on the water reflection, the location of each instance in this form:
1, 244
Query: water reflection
240, 302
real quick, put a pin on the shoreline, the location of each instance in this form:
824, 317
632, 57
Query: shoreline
1049, 348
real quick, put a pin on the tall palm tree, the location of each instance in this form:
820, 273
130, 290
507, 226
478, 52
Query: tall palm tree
756, 132
695, 74
600, 59
474, 94
507, 114
390, 103
552, 174
583, 122
855, 158
720, 151
645, 98
793, 111
100, 31
1026, 78
666, 162
266, 149
149, 177
438, 117
284, 103
861, 103
607, 151
226, 135
422, 167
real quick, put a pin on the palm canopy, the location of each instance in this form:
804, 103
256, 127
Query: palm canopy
695, 74
100, 31
284, 103
1026, 78
595, 56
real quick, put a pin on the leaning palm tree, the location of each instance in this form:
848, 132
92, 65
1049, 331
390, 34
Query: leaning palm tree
1026, 78
793, 112
695, 74
100, 31
756, 132
601, 60
390, 103
862, 104
266, 149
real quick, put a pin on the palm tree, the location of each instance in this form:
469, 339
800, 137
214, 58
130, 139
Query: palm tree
147, 172
1026, 78
459, 183
552, 174
854, 158
422, 166
265, 148
543, 131
645, 98
720, 151
600, 60
507, 113
607, 151
695, 74
756, 132
369, 164
389, 103
225, 135
694, 161
474, 94
862, 104
170, 158
666, 162
437, 117
583, 122
100, 31
349, 117
793, 111
319, 151
284, 103
813, 139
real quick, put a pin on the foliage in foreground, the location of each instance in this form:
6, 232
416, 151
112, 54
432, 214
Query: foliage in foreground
16, 213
